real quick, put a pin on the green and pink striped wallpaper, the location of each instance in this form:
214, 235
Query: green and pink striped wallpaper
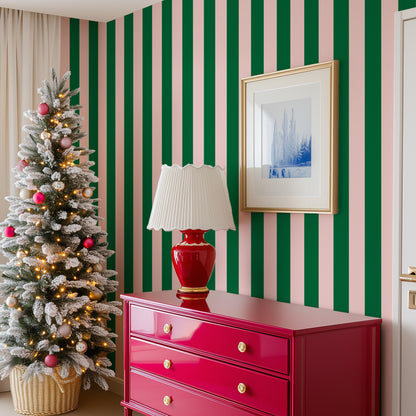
161, 85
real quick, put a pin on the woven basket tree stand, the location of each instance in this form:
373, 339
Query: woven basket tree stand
44, 396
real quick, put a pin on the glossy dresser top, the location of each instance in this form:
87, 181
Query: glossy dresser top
271, 316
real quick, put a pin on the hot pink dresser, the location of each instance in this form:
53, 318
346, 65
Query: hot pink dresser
233, 355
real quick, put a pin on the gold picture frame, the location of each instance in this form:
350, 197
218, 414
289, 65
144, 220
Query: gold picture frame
290, 140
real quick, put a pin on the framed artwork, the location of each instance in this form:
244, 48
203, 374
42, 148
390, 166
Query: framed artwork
290, 140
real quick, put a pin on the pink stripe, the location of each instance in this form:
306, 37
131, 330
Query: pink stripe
176, 103
297, 33
326, 261
270, 35
270, 260
244, 217
326, 222
297, 249
198, 82
64, 45
137, 151
387, 99
119, 192
83, 81
270, 241
221, 128
326, 30
102, 151
297, 258
157, 134
357, 172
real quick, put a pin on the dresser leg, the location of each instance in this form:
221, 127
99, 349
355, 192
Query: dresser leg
128, 412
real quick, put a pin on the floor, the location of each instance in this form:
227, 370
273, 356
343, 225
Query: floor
91, 403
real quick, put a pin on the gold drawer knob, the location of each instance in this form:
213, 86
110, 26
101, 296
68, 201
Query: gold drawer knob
167, 364
167, 400
167, 328
242, 347
242, 388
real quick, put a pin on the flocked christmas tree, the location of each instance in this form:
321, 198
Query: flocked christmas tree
55, 281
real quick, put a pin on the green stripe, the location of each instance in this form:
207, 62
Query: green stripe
209, 101
232, 141
311, 244
187, 82
93, 96
128, 155
111, 138
147, 147
283, 34
341, 220
406, 4
311, 227
74, 58
283, 220
111, 151
257, 218
257, 37
166, 128
373, 158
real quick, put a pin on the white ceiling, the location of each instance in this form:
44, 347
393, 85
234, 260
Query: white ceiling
98, 10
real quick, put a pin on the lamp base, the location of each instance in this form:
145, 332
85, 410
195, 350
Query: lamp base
193, 260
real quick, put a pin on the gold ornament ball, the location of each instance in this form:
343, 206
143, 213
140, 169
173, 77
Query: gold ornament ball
86, 336
11, 302
45, 135
65, 330
87, 192
98, 267
95, 296
81, 347
58, 185
25, 193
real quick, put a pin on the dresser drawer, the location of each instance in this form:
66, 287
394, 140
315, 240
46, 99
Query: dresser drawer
254, 348
174, 400
251, 388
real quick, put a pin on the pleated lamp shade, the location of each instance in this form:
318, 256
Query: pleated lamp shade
191, 198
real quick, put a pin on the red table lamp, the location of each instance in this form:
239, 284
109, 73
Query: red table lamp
192, 199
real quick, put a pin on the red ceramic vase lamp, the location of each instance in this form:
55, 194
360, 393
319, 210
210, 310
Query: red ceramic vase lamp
192, 199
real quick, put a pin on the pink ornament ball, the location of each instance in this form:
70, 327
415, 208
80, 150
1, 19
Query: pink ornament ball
9, 231
38, 198
51, 360
43, 109
65, 142
21, 164
88, 243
